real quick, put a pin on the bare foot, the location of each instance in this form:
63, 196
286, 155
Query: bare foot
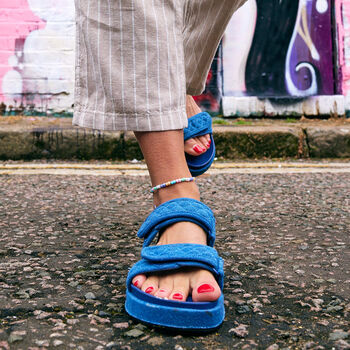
177, 285
197, 145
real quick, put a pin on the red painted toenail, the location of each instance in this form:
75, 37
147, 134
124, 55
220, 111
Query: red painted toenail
178, 296
162, 291
149, 290
205, 288
197, 149
208, 144
136, 283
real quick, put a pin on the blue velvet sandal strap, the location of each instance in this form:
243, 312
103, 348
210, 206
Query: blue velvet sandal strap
198, 125
178, 210
174, 256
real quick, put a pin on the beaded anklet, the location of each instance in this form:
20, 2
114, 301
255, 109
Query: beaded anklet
173, 182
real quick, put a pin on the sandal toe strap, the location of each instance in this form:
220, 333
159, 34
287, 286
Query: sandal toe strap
174, 256
198, 125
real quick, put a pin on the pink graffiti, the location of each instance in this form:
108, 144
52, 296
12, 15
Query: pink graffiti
16, 21
342, 13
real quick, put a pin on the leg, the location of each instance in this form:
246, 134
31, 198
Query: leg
204, 22
131, 76
164, 154
164, 151
129, 49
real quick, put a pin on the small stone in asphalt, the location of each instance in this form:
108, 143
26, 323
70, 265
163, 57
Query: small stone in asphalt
155, 341
273, 347
121, 325
40, 315
16, 336
243, 309
332, 281
239, 331
23, 294
134, 333
338, 334
73, 284
140, 326
42, 342
178, 347
342, 345
90, 295
57, 342
334, 308
112, 345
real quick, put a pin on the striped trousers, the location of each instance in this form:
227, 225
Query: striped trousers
137, 59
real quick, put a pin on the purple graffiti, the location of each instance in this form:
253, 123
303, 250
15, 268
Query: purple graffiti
309, 64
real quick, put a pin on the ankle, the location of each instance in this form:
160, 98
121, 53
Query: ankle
181, 190
191, 107
183, 232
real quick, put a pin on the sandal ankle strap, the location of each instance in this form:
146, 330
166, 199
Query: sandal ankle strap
178, 210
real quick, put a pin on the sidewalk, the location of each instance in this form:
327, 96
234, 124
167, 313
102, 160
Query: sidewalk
31, 138
67, 242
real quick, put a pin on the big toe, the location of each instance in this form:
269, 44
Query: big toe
194, 147
205, 287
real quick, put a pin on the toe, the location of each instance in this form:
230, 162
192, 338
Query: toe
139, 280
202, 143
165, 287
150, 286
205, 287
181, 287
204, 140
194, 147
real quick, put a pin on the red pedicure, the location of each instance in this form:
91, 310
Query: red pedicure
208, 144
136, 283
205, 288
149, 290
198, 149
162, 291
178, 296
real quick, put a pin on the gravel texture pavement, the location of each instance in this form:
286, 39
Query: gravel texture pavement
66, 243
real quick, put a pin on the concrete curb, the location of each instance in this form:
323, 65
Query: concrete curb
260, 141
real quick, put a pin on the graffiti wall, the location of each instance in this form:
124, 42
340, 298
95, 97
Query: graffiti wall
285, 52
285, 49
271, 49
37, 54
210, 99
342, 20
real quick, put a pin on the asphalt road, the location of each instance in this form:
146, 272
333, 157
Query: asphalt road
67, 241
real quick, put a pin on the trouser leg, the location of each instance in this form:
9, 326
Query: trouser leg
205, 22
130, 71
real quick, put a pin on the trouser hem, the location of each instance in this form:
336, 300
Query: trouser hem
157, 121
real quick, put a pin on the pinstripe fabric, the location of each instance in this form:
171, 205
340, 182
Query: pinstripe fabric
137, 59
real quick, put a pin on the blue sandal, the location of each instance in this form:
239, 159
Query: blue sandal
199, 125
188, 315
